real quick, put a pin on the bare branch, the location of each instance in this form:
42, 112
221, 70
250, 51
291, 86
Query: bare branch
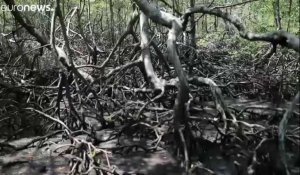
277, 37
27, 25
155, 14
145, 56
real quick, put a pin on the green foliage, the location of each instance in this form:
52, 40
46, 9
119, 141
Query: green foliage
264, 20
97, 6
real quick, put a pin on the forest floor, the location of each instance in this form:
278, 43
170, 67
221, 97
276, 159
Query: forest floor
258, 92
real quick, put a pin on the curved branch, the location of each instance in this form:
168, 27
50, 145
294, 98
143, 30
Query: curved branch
183, 91
170, 6
175, 28
27, 25
155, 14
145, 55
219, 100
175, 25
283, 38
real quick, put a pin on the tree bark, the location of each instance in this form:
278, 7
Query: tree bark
277, 16
193, 25
111, 10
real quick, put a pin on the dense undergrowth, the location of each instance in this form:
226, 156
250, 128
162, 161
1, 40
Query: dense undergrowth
237, 66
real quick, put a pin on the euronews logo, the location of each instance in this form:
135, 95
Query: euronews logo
23, 8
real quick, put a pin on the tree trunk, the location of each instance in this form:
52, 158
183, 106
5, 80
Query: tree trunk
290, 10
276, 7
193, 25
111, 10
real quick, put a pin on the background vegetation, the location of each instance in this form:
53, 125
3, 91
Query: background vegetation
89, 87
